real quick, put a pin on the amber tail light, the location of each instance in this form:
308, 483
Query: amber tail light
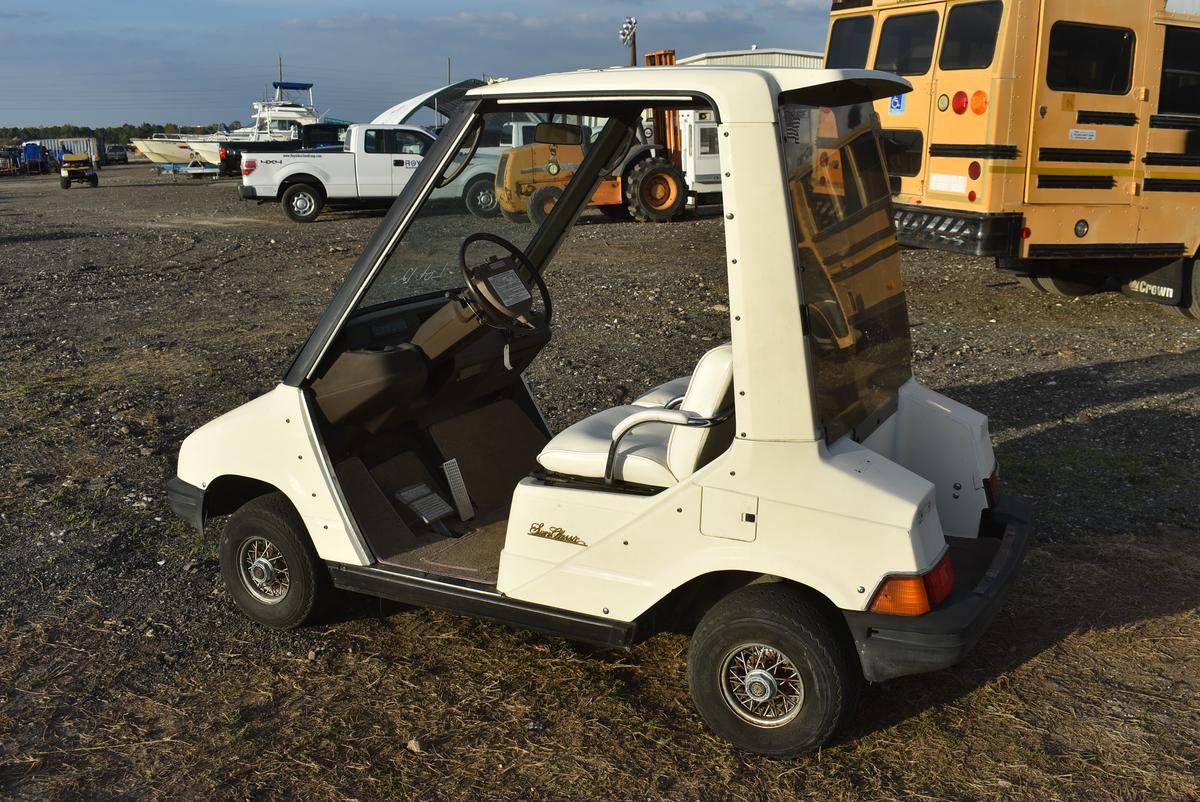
915, 595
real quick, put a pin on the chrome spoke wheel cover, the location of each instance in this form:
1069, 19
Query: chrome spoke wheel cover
302, 204
486, 199
263, 570
761, 685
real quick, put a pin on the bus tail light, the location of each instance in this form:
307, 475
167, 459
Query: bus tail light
248, 166
972, 195
960, 102
979, 102
1026, 233
975, 170
915, 595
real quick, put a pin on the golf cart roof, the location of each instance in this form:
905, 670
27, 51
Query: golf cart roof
742, 94
446, 99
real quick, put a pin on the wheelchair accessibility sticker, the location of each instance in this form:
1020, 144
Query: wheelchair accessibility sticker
897, 104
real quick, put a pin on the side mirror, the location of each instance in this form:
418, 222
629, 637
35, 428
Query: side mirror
557, 134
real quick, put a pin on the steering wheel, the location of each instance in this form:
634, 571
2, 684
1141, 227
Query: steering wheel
492, 293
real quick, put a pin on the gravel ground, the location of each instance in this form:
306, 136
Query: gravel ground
135, 312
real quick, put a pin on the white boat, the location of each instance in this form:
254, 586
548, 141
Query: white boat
275, 120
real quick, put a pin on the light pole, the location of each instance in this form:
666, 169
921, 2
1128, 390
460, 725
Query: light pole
628, 34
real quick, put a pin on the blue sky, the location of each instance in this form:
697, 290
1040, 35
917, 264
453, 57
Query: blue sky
104, 63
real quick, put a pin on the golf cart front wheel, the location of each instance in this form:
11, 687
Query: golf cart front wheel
269, 565
65, 183
768, 673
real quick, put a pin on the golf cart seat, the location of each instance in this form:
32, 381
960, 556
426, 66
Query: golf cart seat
668, 394
653, 445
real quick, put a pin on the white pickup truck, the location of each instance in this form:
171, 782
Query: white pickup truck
374, 165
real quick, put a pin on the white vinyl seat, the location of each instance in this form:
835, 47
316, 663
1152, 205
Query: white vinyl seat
653, 445
665, 393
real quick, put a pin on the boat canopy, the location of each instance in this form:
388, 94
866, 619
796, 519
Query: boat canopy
291, 86
445, 100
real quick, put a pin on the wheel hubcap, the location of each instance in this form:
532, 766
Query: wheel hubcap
263, 570
761, 685
659, 192
486, 200
302, 204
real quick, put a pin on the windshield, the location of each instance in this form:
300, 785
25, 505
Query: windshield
502, 181
850, 264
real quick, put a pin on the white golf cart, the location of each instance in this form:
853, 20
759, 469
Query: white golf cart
800, 504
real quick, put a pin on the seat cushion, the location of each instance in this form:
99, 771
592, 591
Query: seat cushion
582, 449
663, 394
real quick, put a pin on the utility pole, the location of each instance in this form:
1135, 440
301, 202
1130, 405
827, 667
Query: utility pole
628, 34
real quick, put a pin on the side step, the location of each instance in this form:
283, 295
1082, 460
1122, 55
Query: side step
478, 602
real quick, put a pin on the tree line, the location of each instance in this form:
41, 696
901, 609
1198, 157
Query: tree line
113, 135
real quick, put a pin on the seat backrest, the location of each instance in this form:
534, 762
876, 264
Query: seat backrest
709, 393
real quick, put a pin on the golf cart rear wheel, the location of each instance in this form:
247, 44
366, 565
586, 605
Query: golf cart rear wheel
269, 565
768, 672
302, 202
65, 183
480, 197
655, 191
93, 181
541, 203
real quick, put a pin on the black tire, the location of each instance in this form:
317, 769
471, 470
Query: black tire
302, 202
272, 520
614, 211
541, 203
1191, 292
480, 197
1065, 287
514, 217
781, 619
93, 181
65, 183
655, 191
1029, 282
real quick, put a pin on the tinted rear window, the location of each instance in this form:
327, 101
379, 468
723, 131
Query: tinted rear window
906, 44
1090, 58
1180, 72
849, 43
904, 151
970, 40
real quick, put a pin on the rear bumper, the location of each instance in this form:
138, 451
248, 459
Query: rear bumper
892, 646
186, 501
971, 233
247, 193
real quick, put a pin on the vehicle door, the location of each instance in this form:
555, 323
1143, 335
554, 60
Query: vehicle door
1088, 109
373, 164
908, 40
408, 149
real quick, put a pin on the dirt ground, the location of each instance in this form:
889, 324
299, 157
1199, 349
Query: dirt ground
135, 312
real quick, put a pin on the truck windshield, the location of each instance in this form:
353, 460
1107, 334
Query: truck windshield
507, 186
849, 264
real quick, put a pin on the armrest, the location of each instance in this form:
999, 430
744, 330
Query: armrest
673, 417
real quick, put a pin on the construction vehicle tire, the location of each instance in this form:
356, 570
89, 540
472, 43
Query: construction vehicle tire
655, 191
541, 203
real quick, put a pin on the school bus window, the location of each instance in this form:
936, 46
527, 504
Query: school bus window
849, 43
1090, 58
1180, 72
904, 151
906, 44
970, 40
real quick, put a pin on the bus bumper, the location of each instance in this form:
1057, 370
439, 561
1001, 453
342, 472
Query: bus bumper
985, 567
971, 233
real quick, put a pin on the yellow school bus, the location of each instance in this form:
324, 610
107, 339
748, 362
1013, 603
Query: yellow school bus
1060, 136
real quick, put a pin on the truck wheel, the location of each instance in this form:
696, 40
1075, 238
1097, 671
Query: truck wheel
1191, 292
541, 203
65, 183
654, 190
1066, 288
269, 565
302, 202
768, 673
480, 197
1029, 282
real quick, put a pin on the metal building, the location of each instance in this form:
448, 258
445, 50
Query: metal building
760, 57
